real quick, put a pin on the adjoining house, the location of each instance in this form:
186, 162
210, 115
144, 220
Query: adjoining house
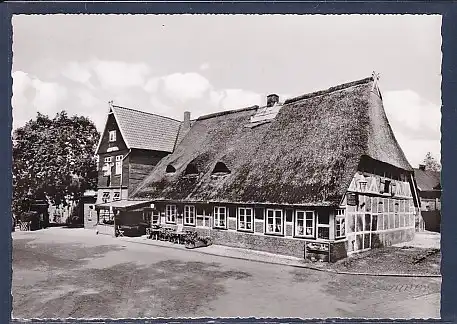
429, 190
319, 176
132, 143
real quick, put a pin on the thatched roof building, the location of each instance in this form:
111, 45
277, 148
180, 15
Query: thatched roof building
306, 155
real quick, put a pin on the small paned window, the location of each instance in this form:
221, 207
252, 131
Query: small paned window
220, 217
340, 223
112, 136
116, 196
119, 164
274, 221
245, 219
304, 223
170, 213
189, 215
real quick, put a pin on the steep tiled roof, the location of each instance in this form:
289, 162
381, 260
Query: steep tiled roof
427, 180
146, 131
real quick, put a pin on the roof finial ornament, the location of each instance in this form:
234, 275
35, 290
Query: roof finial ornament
375, 77
110, 103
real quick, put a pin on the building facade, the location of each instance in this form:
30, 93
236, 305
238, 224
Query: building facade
132, 143
319, 176
429, 190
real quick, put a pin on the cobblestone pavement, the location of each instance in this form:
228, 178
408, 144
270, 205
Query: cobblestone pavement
75, 273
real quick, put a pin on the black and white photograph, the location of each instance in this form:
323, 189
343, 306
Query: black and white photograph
224, 166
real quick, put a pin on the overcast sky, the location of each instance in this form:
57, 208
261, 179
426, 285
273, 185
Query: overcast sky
206, 63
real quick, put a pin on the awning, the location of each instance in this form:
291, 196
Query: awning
123, 205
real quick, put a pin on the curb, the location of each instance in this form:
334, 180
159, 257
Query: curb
302, 266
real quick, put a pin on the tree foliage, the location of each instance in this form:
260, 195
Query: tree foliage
53, 159
431, 163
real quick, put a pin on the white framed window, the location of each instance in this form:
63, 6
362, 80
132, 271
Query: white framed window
116, 196
107, 159
155, 217
189, 215
275, 221
323, 226
304, 223
340, 223
105, 196
170, 213
112, 136
245, 219
220, 217
119, 164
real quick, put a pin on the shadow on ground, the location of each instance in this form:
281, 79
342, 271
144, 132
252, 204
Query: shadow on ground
64, 286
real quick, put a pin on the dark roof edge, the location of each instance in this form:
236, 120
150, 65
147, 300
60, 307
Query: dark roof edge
148, 113
329, 90
222, 113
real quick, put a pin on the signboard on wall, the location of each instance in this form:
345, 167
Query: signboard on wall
351, 199
317, 251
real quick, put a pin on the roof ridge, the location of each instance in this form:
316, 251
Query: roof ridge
329, 90
145, 112
227, 112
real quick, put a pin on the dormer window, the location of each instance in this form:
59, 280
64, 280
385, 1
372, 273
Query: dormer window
220, 169
170, 169
112, 136
191, 170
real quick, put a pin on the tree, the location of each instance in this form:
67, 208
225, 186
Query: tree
53, 159
431, 163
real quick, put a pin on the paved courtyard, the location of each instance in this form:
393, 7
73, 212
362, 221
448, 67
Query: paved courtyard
60, 273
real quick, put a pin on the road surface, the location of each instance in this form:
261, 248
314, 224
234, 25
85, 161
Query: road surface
61, 273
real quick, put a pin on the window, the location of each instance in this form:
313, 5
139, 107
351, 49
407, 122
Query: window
220, 217
340, 223
274, 221
112, 136
189, 215
105, 196
304, 223
191, 170
107, 166
116, 196
155, 217
170, 169
119, 164
323, 225
245, 219
170, 211
386, 188
221, 168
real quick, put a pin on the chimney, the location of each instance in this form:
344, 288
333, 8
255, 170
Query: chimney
422, 167
272, 99
186, 124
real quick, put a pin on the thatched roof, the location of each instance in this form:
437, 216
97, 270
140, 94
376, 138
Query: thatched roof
307, 155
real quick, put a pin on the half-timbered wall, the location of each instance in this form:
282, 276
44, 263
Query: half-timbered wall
379, 212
